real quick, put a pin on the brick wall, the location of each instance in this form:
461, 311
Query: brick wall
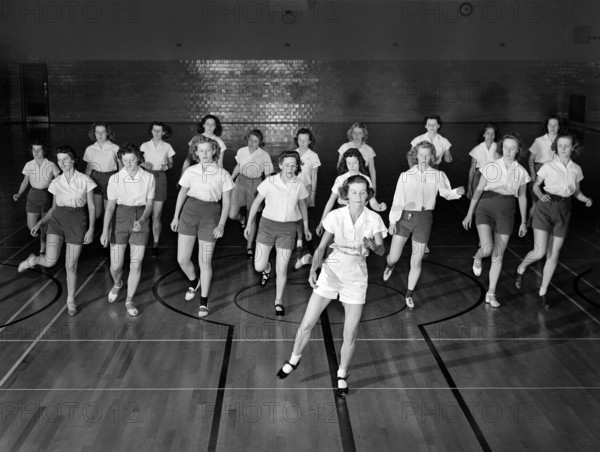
307, 90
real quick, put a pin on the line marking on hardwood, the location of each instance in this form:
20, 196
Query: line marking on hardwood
343, 414
12, 256
216, 421
509, 249
583, 238
11, 321
578, 291
416, 339
559, 290
13, 233
315, 388
456, 392
580, 277
47, 327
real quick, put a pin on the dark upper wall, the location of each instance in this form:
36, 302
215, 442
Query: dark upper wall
314, 29
372, 60
585, 16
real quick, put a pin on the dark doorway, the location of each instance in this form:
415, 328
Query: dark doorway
34, 85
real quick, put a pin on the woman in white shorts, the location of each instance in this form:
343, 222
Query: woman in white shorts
355, 231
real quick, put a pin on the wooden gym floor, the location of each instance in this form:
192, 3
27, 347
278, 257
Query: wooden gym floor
454, 374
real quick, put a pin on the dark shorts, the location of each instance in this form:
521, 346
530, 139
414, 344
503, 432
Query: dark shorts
416, 223
245, 190
496, 210
199, 218
39, 200
280, 234
160, 192
553, 217
101, 180
69, 223
123, 220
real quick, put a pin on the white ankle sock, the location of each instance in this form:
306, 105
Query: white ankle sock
342, 374
294, 359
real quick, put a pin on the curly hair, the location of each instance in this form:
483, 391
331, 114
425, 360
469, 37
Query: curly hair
258, 134
67, 149
511, 136
575, 151
357, 179
562, 127
38, 142
360, 125
422, 144
489, 125
305, 131
166, 129
294, 155
436, 117
110, 135
130, 148
218, 127
352, 152
199, 139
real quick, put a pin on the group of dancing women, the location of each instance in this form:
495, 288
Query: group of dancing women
124, 189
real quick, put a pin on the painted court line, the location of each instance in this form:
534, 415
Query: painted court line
46, 328
31, 299
10, 235
11, 257
559, 290
445, 339
326, 388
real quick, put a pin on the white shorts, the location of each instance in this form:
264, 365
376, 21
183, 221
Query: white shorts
344, 275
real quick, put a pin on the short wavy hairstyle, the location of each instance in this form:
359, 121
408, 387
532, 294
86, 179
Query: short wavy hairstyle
305, 131
352, 152
130, 148
575, 151
489, 125
360, 125
258, 134
199, 139
67, 149
292, 154
166, 129
436, 117
218, 126
38, 142
357, 179
412, 154
511, 136
562, 126
110, 135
